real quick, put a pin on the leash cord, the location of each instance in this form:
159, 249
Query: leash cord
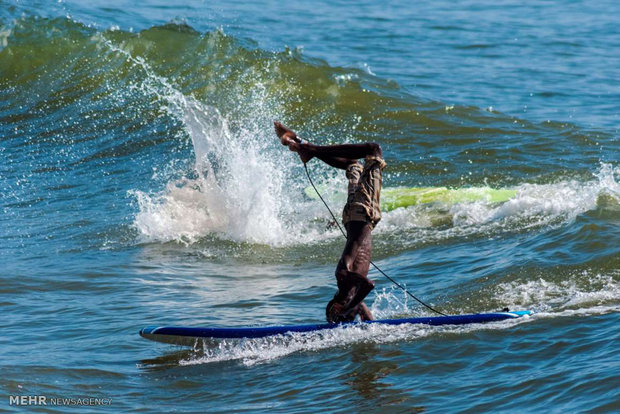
374, 265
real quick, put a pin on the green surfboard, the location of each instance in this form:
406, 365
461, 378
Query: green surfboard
396, 197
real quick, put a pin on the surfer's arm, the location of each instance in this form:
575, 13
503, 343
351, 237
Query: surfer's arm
364, 312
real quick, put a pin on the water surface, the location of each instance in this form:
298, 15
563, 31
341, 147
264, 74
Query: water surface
142, 184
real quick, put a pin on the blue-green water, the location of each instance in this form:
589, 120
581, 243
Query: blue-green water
141, 184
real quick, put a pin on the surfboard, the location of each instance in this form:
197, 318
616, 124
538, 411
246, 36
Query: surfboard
182, 335
396, 197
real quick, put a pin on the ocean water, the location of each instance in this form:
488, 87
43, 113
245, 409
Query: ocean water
142, 184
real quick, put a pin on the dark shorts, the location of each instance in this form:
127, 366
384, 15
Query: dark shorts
364, 192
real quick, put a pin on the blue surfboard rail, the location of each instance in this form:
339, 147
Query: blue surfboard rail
170, 333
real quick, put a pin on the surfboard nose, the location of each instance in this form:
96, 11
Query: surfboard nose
147, 330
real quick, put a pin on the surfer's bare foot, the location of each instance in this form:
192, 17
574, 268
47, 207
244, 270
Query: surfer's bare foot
286, 135
290, 139
303, 150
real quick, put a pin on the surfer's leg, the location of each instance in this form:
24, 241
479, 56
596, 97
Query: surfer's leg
291, 140
285, 134
349, 151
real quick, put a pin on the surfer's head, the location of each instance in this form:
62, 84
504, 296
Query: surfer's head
334, 312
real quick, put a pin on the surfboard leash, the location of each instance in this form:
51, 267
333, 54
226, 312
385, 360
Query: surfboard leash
371, 262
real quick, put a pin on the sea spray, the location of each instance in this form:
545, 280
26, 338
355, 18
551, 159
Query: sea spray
579, 290
241, 190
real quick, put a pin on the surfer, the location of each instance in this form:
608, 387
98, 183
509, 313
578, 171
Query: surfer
360, 216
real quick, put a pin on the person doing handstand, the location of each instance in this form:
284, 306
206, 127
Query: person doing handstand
360, 216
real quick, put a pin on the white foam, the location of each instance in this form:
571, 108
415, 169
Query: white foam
241, 188
253, 351
533, 206
5, 33
582, 294
246, 188
583, 290
390, 302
